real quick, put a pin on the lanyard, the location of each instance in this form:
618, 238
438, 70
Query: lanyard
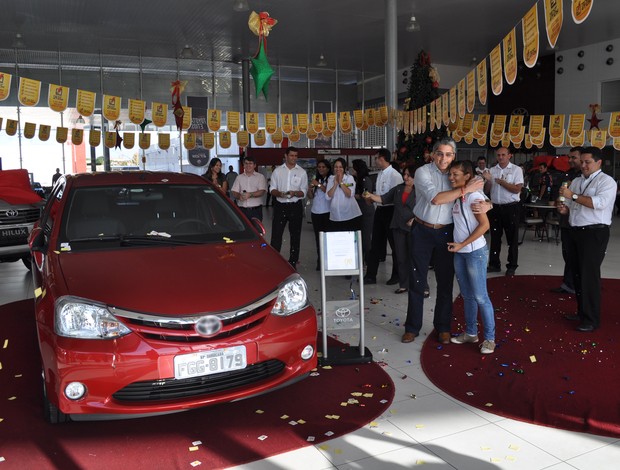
589, 180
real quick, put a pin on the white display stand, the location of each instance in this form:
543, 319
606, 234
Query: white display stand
341, 255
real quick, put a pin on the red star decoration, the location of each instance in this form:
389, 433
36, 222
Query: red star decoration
594, 121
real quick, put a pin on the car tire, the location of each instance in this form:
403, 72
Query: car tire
51, 413
27, 260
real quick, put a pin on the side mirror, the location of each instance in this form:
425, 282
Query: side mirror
36, 242
258, 225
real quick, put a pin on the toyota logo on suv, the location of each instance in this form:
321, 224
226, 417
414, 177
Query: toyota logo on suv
208, 326
11, 213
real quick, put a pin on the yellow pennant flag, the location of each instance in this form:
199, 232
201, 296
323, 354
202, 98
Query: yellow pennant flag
30, 129
496, 71
528, 141
331, 121
539, 140
163, 141
277, 136
11, 127
159, 114
499, 126
358, 117
326, 133
468, 124
536, 125
302, 123
481, 77
5, 85
383, 115
243, 138
251, 122
453, 104
311, 134
144, 140
129, 140
580, 10
514, 127
529, 26
461, 99
287, 123
214, 119
614, 124
271, 122
554, 16
317, 122
110, 139
575, 124
577, 141
518, 138
208, 140
422, 120
85, 102
445, 108
483, 124
616, 142
556, 126
225, 139
189, 140
187, 118
413, 121
260, 137
61, 134
77, 136
44, 132
471, 91
456, 125
136, 110
438, 113
370, 116
29, 91
510, 56
294, 135
345, 122
431, 119
482, 141
557, 141
506, 140
233, 121
598, 138
57, 97
111, 107
94, 138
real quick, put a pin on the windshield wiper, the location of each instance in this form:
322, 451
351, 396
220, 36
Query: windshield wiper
129, 240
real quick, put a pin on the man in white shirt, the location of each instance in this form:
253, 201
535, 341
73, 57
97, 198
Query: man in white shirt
381, 233
289, 183
481, 165
248, 189
504, 182
589, 203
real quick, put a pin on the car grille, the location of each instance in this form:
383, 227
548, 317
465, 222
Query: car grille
173, 389
24, 216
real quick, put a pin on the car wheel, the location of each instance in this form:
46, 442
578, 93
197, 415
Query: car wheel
27, 260
51, 413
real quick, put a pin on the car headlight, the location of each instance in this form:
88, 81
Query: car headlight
79, 318
292, 297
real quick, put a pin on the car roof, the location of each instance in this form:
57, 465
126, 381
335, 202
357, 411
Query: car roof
133, 177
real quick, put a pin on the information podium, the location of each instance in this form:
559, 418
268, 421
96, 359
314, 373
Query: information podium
341, 255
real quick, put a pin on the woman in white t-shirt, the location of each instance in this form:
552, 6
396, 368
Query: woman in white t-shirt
344, 212
470, 260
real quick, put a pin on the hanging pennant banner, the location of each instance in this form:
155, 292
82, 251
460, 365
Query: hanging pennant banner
226, 139
431, 119
614, 124
85, 102
5, 85
277, 136
287, 123
510, 57
529, 26
554, 16
345, 122
94, 138
518, 138
482, 141
461, 99
499, 126
422, 120
243, 138
189, 140
528, 141
311, 134
506, 140
214, 119
260, 137
598, 138
326, 133
383, 115
413, 122
29, 130
163, 141
369, 115
29, 91
57, 97
61, 134
251, 122
302, 123
536, 125
358, 117
445, 109
471, 91
159, 114
453, 104
136, 110
467, 124
111, 107
456, 125
581, 9
294, 135
208, 140
496, 71
483, 124
556, 126
481, 77
539, 140
616, 143
577, 141
44, 132
407, 116
187, 118
469, 138
438, 113
557, 141
575, 124
317, 122
77, 136
144, 140
233, 121
516, 122
331, 122
110, 139
129, 140
271, 122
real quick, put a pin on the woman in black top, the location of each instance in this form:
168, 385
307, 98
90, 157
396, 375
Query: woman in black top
215, 175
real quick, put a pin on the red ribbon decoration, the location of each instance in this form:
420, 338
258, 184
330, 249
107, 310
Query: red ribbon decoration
176, 88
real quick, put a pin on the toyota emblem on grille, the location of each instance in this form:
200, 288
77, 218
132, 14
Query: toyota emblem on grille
343, 312
11, 213
208, 326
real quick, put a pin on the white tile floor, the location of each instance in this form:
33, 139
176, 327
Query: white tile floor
433, 429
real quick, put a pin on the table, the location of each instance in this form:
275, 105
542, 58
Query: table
538, 221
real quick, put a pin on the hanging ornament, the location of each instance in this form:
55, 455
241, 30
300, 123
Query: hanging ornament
119, 139
260, 24
176, 88
145, 123
594, 120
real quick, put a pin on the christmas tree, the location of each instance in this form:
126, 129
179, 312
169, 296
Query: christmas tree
422, 90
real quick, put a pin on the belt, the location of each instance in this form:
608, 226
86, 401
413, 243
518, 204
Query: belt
426, 224
590, 227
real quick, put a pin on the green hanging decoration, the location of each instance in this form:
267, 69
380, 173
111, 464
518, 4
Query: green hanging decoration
261, 71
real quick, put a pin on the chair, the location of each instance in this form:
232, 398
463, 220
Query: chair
552, 219
532, 221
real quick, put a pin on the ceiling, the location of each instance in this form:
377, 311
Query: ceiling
350, 33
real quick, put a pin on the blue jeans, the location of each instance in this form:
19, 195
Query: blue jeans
471, 274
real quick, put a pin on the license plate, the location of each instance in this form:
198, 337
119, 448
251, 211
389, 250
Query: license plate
18, 232
209, 362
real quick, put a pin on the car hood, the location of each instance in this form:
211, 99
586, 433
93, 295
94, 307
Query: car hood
176, 280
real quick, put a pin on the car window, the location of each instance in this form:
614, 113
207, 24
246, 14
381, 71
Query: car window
51, 208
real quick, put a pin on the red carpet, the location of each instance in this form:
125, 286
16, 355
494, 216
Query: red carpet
542, 371
229, 434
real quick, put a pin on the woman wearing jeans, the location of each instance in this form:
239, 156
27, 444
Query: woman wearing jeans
470, 260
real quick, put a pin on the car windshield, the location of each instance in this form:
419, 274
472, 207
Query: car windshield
149, 214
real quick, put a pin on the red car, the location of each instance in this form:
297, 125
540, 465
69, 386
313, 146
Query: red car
154, 294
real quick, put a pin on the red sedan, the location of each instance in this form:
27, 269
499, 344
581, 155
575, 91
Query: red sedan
154, 294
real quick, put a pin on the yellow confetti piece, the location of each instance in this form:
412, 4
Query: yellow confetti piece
327, 367
0, 365
374, 424
284, 417
485, 448
343, 403
488, 404
324, 447
337, 451
386, 433
532, 358
393, 411
6, 344
17, 376
495, 460
259, 412
301, 421
12, 398
1, 419
420, 462
37, 292
356, 394
193, 448
195, 463
368, 395
511, 458
514, 447
419, 426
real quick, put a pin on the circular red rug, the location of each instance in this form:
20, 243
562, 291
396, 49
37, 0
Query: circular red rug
332, 402
543, 371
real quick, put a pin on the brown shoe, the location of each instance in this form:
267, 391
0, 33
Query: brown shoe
444, 338
408, 337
